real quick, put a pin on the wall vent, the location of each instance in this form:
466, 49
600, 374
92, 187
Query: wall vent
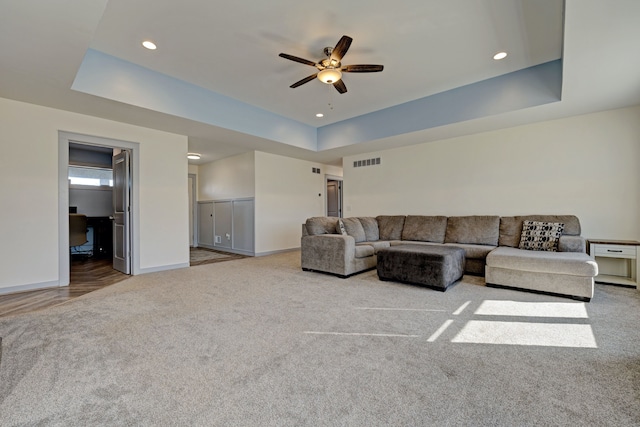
315, 170
367, 162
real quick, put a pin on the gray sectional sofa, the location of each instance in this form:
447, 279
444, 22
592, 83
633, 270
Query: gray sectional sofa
491, 246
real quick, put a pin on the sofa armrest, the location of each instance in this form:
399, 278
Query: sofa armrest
572, 244
331, 253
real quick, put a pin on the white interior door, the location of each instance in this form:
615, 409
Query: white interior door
121, 212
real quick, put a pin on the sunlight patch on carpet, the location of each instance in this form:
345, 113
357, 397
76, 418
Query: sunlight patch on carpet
573, 310
530, 334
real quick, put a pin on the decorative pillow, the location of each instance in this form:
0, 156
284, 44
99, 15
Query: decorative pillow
341, 229
540, 236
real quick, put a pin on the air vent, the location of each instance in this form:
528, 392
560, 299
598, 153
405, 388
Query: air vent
315, 170
367, 162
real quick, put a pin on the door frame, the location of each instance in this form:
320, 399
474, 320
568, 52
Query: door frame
64, 138
194, 202
328, 178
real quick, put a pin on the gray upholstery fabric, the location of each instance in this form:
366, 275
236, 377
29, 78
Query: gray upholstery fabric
511, 227
572, 244
425, 228
434, 266
321, 225
390, 226
568, 263
363, 251
481, 230
380, 244
561, 284
473, 251
370, 225
355, 229
334, 254
474, 266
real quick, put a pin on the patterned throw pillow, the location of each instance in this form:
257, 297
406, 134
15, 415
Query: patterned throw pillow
540, 236
341, 228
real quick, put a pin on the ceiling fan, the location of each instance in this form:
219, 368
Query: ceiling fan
330, 68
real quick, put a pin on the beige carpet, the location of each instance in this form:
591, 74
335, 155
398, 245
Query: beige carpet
260, 342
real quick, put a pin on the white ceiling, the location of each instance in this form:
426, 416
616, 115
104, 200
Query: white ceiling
231, 48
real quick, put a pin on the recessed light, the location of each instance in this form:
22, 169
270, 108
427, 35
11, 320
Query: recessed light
500, 55
193, 156
149, 45
319, 115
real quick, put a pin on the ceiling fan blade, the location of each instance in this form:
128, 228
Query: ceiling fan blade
362, 68
303, 81
296, 59
341, 48
340, 87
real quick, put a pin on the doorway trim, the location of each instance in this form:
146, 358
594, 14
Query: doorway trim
64, 138
328, 178
194, 203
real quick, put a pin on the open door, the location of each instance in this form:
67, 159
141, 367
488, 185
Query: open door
334, 198
121, 213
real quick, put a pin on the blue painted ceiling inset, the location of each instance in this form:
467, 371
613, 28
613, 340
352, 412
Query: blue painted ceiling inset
113, 78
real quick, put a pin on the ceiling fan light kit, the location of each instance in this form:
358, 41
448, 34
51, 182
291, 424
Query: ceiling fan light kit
330, 68
329, 75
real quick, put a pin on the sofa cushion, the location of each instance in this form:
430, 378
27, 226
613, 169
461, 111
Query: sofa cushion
511, 227
380, 244
321, 225
424, 228
390, 226
354, 229
473, 251
477, 229
540, 236
370, 225
572, 244
363, 251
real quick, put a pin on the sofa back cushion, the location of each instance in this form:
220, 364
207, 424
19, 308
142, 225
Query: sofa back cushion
425, 228
321, 225
390, 226
371, 230
354, 229
511, 227
477, 229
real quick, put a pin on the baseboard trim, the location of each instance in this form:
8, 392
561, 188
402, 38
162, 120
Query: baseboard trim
30, 287
280, 251
162, 268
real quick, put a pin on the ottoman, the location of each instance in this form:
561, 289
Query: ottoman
436, 267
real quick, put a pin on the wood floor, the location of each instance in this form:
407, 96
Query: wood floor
86, 276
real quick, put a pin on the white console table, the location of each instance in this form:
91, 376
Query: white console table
628, 250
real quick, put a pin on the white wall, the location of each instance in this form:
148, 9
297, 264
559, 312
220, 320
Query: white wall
585, 165
287, 193
92, 201
29, 192
229, 178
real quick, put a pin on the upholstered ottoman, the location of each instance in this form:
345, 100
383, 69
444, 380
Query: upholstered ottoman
434, 266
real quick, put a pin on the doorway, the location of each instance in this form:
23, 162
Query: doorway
334, 196
193, 210
109, 208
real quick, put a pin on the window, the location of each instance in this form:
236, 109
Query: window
97, 177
